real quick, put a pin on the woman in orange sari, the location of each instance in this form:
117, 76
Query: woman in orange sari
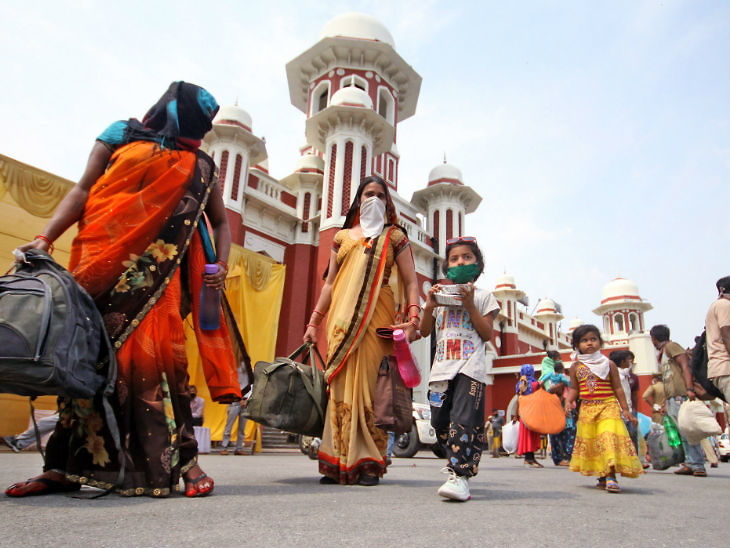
139, 253
357, 298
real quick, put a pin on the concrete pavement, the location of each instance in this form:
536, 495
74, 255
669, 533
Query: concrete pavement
276, 500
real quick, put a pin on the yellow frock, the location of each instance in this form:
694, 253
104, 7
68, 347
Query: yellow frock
602, 441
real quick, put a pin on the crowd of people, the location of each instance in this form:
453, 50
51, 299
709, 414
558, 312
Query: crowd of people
596, 380
139, 206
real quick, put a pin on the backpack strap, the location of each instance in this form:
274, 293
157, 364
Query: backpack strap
111, 420
35, 428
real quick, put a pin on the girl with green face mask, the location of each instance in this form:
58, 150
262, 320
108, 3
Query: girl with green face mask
459, 374
464, 262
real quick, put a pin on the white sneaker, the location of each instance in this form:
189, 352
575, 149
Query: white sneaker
456, 487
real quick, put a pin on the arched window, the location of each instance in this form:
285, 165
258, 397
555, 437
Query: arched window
331, 183
619, 321
436, 223
223, 168
305, 211
449, 224
354, 80
386, 105
320, 97
363, 162
347, 178
461, 226
236, 177
634, 322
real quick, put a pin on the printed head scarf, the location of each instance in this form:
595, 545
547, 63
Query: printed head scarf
527, 376
184, 112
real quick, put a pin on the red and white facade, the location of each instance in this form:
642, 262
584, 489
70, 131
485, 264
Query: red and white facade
354, 89
522, 338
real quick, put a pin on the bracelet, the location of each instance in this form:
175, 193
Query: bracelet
315, 311
223, 264
312, 325
414, 305
45, 238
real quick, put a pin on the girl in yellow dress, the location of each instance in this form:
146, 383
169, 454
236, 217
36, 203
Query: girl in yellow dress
603, 447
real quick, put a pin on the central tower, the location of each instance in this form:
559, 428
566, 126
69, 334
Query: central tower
354, 89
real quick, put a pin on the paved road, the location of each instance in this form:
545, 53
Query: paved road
275, 500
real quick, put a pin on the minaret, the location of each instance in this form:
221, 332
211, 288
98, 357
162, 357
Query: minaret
445, 202
234, 148
548, 312
508, 294
354, 88
622, 309
350, 133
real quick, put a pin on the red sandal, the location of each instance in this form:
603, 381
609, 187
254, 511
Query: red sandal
192, 489
47, 486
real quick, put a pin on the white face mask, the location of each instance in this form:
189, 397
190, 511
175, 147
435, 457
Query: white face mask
372, 216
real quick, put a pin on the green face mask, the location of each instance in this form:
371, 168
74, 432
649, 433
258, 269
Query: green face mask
464, 273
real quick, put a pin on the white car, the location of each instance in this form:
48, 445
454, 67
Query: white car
421, 436
723, 447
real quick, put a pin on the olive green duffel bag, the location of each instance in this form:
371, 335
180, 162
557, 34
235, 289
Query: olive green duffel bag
289, 395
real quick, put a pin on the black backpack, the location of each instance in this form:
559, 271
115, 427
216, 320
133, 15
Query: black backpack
53, 340
698, 364
52, 337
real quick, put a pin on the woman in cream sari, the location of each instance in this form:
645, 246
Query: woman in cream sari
357, 298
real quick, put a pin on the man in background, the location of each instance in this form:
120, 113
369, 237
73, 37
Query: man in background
717, 326
678, 388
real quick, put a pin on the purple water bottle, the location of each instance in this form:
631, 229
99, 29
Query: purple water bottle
210, 303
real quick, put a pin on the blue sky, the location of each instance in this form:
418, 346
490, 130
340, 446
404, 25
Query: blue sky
597, 133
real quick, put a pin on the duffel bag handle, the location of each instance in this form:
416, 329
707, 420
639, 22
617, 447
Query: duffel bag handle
313, 351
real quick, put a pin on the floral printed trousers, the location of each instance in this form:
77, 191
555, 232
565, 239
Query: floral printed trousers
457, 415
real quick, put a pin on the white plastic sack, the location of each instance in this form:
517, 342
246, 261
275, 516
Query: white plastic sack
696, 422
510, 435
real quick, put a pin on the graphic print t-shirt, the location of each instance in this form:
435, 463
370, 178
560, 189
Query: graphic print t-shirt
459, 348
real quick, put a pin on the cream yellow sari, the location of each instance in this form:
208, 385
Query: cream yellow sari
362, 300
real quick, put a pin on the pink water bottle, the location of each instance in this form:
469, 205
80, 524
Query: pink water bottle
210, 303
407, 365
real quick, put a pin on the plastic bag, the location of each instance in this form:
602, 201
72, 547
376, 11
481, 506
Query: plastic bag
510, 435
662, 454
696, 422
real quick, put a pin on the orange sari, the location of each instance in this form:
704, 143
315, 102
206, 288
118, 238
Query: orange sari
138, 227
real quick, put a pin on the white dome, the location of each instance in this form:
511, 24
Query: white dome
233, 113
620, 289
505, 281
445, 171
357, 25
310, 162
351, 96
546, 306
574, 324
